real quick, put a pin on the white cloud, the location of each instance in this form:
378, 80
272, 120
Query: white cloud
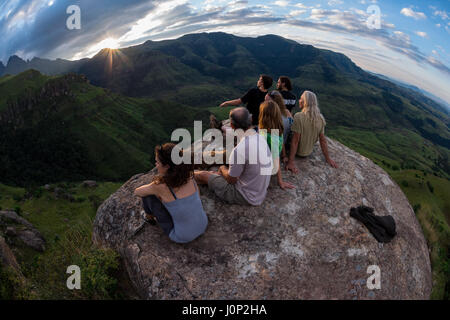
301, 6
413, 14
281, 3
442, 14
335, 2
421, 34
317, 14
402, 36
295, 13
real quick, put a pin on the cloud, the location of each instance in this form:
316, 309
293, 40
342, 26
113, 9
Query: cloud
442, 14
281, 3
332, 3
295, 13
301, 6
421, 34
355, 24
413, 14
44, 33
136, 21
141, 21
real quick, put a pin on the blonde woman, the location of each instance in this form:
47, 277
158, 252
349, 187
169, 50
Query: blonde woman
270, 126
308, 127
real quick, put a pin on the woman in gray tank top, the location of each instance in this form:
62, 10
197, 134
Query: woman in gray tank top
173, 199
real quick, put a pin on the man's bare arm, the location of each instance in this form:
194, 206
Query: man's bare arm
235, 102
223, 170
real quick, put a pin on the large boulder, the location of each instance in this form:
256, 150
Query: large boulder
299, 244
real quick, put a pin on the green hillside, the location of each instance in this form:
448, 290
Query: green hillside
65, 220
64, 129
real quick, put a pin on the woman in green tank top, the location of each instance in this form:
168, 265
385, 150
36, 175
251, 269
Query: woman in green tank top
271, 127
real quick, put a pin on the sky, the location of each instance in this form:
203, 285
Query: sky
410, 44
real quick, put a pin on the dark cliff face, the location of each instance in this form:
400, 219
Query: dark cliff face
2, 68
15, 65
299, 244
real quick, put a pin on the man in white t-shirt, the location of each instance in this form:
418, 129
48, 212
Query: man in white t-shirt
250, 166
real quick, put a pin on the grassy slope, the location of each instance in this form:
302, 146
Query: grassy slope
111, 136
432, 207
67, 228
12, 87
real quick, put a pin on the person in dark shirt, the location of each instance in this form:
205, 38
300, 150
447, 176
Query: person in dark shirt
284, 85
253, 98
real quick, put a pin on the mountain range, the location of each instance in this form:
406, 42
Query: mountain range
414, 88
202, 70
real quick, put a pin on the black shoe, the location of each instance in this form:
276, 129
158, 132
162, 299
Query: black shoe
149, 218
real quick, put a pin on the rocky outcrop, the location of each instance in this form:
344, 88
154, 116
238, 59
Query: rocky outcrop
16, 227
299, 244
7, 258
89, 184
2, 69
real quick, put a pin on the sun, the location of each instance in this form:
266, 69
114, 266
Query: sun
108, 43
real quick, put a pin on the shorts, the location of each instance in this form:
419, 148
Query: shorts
225, 191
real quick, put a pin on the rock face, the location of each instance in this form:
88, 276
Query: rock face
300, 244
7, 257
17, 227
89, 184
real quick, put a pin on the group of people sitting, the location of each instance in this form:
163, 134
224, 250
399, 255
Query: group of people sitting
172, 200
